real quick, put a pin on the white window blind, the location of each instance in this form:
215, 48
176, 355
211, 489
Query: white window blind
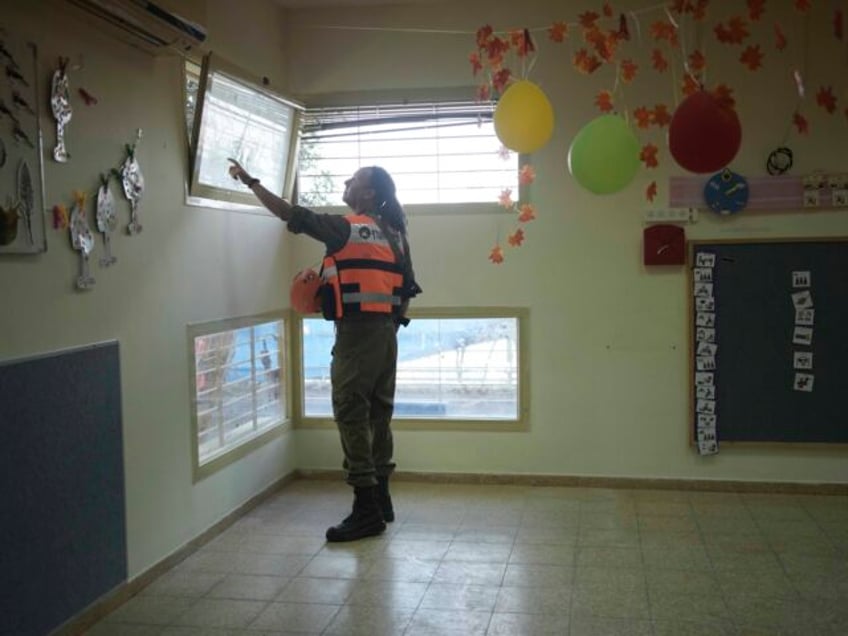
443, 152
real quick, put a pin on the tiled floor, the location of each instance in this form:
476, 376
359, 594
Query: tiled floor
510, 561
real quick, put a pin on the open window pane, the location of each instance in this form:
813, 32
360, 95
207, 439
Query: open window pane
233, 116
448, 369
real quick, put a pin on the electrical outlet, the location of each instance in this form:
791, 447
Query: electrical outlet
671, 215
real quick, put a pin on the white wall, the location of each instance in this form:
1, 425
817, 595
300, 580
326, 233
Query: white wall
189, 264
608, 337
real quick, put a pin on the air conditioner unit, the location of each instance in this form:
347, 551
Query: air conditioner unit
146, 25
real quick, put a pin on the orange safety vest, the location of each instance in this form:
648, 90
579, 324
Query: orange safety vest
364, 275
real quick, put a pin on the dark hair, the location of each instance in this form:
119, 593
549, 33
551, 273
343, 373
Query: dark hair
385, 199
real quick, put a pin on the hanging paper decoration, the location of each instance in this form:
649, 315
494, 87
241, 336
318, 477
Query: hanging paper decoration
752, 57
651, 191
736, 31
524, 118
60, 217
705, 134
9, 217
133, 184
604, 155
26, 199
60, 103
496, 255
527, 213
82, 240
516, 238
648, 155
106, 221
826, 99
756, 8
800, 123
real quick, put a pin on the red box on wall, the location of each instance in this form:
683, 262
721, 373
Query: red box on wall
664, 245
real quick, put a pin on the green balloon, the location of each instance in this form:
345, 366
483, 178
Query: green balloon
604, 155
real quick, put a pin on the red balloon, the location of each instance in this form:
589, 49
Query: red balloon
304, 292
704, 134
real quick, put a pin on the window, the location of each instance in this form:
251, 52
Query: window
231, 115
437, 153
461, 368
238, 388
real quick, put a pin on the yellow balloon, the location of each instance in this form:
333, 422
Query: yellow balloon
524, 117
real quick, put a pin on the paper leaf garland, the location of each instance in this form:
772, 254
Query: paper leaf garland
516, 238
752, 57
756, 8
496, 255
648, 155
604, 102
826, 99
801, 123
651, 192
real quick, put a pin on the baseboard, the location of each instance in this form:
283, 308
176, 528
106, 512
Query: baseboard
121, 594
579, 481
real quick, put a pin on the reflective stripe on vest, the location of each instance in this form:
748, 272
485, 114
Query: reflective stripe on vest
363, 276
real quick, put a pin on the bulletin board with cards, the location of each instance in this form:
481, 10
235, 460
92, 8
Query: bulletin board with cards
769, 342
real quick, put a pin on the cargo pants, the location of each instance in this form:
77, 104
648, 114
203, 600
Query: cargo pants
363, 380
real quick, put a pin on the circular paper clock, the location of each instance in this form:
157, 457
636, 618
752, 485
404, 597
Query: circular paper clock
726, 192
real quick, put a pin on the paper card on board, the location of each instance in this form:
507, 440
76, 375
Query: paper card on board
805, 317
802, 336
803, 359
704, 378
802, 299
706, 349
801, 279
705, 259
804, 382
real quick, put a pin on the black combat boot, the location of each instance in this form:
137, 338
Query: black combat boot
364, 521
384, 499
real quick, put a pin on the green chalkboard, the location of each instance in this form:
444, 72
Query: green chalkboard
769, 340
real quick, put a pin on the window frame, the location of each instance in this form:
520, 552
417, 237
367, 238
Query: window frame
520, 424
250, 444
376, 98
210, 196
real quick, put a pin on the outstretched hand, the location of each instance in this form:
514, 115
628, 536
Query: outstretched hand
237, 172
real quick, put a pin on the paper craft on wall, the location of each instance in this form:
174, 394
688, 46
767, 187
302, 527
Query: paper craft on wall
22, 228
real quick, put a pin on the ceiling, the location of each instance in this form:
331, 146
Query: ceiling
304, 4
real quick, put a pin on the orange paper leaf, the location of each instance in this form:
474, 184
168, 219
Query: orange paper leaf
801, 123
496, 255
724, 94
558, 31
505, 198
588, 19
628, 70
661, 116
658, 61
697, 61
476, 65
607, 10
803, 5
484, 93
501, 79
484, 34
752, 57
826, 99
643, 117
526, 175
735, 32
651, 192
690, 85
516, 238
649, 155
756, 8
527, 213
585, 62
779, 37
604, 101
662, 30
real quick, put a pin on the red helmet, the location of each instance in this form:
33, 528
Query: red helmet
304, 292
